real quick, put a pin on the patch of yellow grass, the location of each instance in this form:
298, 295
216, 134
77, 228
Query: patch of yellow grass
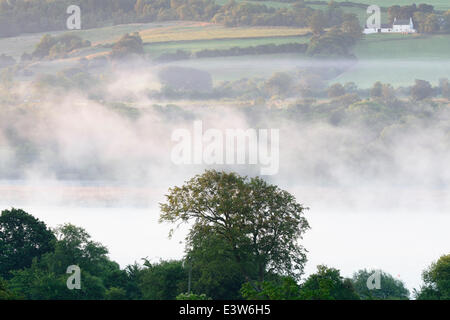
192, 32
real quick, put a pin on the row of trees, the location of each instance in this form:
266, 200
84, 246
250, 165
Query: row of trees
236, 51
22, 16
244, 242
337, 41
387, 94
426, 19
308, 83
54, 47
38, 16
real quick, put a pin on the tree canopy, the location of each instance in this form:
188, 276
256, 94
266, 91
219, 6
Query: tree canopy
22, 238
390, 288
261, 224
327, 284
436, 281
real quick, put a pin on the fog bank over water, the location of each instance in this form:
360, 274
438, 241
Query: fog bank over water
378, 197
402, 243
398, 230
82, 140
364, 71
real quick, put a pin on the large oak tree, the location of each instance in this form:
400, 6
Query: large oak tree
261, 223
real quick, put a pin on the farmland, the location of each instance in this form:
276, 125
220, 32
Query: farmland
399, 59
156, 49
234, 68
427, 56
169, 32
206, 31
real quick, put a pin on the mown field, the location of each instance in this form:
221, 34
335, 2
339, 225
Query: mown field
207, 31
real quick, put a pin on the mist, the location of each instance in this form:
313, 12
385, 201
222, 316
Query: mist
97, 166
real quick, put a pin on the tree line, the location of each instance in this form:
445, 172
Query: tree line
426, 19
23, 16
244, 243
235, 51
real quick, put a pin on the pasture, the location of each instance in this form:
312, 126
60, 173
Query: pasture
251, 66
156, 49
163, 32
16, 46
400, 59
391, 58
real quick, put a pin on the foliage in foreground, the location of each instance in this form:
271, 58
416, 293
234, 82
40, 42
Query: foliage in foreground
436, 281
210, 264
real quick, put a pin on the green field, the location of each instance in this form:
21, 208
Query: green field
16, 46
390, 58
234, 68
400, 59
166, 32
156, 49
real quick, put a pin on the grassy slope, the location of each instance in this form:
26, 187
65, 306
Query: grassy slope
16, 46
395, 59
399, 59
234, 68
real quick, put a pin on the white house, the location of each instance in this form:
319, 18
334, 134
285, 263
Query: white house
404, 26
399, 26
